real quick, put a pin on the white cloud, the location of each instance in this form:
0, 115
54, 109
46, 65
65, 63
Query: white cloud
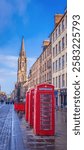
8, 71
8, 61
12, 61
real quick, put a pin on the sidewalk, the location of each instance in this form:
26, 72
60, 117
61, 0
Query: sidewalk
15, 133
57, 142
16, 137
10, 132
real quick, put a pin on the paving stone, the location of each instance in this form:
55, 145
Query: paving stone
57, 142
15, 133
5, 130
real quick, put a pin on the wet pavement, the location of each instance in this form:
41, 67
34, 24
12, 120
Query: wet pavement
57, 142
5, 127
15, 133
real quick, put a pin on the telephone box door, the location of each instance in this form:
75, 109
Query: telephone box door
27, 106
44, 120
31, 107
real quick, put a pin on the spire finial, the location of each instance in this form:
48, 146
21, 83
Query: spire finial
22, 52
22, 45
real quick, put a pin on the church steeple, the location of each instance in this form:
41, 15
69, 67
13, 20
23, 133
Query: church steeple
22, 51
22, 64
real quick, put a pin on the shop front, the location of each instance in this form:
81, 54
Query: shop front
56, 97
63, 95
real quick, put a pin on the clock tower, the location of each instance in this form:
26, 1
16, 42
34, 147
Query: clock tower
22, 65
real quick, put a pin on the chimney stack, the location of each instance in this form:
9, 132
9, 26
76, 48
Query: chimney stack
57, 18
45, 44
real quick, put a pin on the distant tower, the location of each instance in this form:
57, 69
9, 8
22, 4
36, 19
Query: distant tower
22, 65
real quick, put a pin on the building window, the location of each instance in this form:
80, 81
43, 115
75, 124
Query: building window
66, 79
49, 63
50, 50
56, 33
53, 51
56, 49
66, 39
59, 46
53, 67
56, 65
45, 78
59, 81
59, 63
45, 54
53, 36
63, 83
62, 24
66, 20
59, 29
50, 75
56, 82
45, 66
62, 43
62, 61
66, 57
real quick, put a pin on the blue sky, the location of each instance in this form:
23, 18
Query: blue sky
32, 18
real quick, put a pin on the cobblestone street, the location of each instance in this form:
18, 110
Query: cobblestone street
16, 134
5, 127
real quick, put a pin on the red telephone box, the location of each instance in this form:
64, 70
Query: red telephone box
44, 112
19, 106
31, 107
27, 106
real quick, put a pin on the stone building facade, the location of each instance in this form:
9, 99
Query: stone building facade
41, 71
46, 63
51, 66
59, 59
34, 74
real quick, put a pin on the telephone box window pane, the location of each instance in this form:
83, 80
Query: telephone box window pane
45, 111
